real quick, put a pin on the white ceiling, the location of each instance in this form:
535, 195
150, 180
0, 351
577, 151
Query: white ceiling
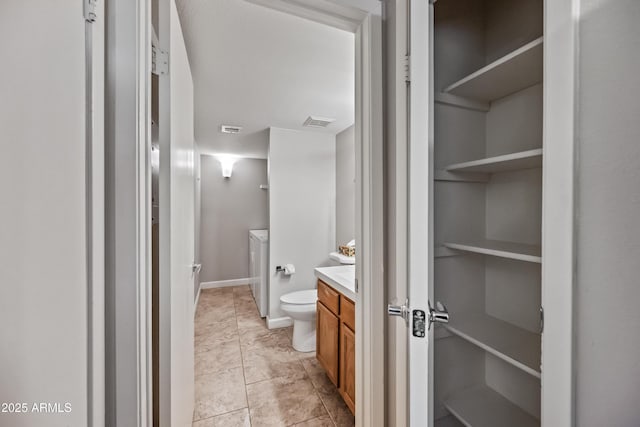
257, 67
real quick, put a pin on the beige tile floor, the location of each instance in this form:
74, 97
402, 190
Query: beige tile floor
248, 375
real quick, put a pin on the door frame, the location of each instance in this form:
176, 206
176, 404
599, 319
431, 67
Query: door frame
561, 21
561, 27
95, 38
128, 375
409, 41
370, 257
129, 350
420, 197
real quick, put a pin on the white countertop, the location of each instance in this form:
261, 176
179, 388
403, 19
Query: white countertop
342, 259
341, 278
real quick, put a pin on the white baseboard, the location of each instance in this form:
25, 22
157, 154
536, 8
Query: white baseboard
279, 322
224, 283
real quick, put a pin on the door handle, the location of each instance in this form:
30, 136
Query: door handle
439, 315
195, 268
399, 310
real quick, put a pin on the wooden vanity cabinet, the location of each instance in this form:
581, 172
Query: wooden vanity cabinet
336, 340
347, 385
327, 341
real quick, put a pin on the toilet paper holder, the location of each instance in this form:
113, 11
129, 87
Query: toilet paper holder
287, 269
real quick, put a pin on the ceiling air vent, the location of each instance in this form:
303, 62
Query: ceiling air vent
230, 129
318, 122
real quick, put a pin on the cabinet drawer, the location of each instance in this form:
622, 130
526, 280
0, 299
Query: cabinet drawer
329, 297
348, 312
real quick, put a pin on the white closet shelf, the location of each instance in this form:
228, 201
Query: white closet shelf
518, 70
519, 251
514, 345
482, 407
508, 162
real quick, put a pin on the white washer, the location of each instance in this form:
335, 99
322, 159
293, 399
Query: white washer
258, 269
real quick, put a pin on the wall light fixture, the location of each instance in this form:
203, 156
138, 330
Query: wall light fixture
227, 163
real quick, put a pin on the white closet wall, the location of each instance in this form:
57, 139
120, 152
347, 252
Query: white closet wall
608, 206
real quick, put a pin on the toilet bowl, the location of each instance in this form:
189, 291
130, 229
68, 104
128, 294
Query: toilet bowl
301, 307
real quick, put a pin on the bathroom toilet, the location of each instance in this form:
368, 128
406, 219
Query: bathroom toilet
301, 307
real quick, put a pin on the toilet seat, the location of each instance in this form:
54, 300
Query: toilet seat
300, 297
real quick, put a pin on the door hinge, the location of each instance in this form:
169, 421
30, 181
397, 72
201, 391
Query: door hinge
356, 283
541, 319
90, 14
159, 61
406, 62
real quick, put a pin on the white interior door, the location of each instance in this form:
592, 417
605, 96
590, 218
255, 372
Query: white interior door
177, 225
420, 214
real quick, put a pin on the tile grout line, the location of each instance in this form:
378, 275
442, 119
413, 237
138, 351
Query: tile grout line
218, 415
324, 405
213, 373
304, 421
278, 377
244, 378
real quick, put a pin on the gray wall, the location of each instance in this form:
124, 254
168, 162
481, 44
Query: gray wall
345, 185
230, 208
607, 293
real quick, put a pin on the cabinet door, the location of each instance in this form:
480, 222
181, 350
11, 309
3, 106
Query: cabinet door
348, 366
327, 336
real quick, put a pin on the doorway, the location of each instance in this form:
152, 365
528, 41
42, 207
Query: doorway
274, 180
365, 34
